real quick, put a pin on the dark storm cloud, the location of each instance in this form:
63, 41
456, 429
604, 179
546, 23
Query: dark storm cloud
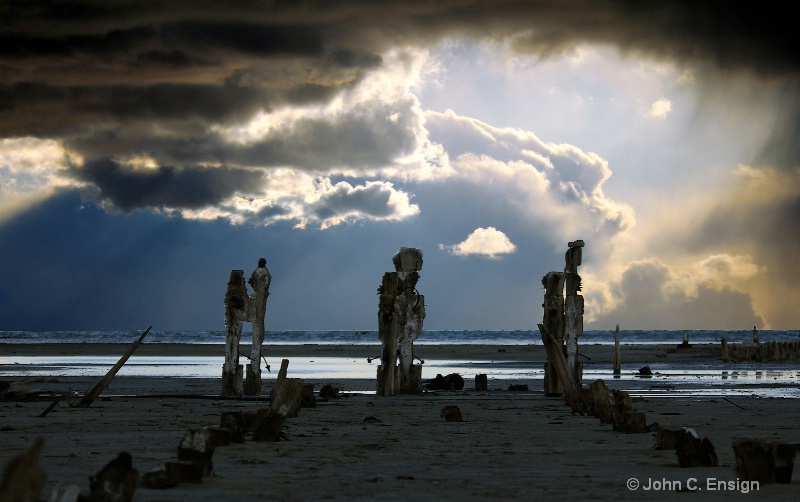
373, 200
87, 70
163, 187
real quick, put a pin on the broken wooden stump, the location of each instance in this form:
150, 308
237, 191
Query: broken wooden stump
615, 407
451, 413
693, 451
667, 439
758, 459
197, 446
183, 471
307, 399
116, 482
23, 477
234, 421
285, 404
481, 382
328, 391
287, 397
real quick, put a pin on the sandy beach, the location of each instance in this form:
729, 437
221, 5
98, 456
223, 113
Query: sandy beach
513, 445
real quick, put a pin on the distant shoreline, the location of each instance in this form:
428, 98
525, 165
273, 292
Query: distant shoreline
596, 353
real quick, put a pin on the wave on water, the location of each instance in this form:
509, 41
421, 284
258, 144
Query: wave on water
370, 337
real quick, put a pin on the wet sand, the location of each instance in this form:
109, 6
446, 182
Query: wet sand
511, 445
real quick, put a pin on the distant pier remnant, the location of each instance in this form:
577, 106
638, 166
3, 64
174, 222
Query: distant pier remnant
240, 307
401, 310
563, 317
617, 359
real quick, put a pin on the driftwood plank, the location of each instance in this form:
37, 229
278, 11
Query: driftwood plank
101, 386
555, 356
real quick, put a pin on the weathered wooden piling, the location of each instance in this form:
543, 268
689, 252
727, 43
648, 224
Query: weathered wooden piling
758, 459
236, 303
241, 307
259, 280
401, 311
725, 356
617, 360
563, 317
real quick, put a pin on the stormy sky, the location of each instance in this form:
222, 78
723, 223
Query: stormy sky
148, 148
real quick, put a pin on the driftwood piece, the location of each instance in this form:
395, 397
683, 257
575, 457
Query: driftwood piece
764, 461
116, 482
555, 358
451, 413
102, 384
23, 477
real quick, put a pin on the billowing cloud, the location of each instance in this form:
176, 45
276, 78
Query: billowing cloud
298, 115
485, 242
651, 295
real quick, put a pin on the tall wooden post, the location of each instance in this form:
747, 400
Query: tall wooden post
617, 362
236, 303
259, 281
563, 317
401, 310
553, 321
573, 311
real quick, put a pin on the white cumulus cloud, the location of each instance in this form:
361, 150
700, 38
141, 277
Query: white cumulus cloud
486, 242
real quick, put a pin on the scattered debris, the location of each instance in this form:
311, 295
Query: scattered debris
453, 381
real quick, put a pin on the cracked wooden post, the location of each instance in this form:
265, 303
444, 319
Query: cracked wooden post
236, 303
573, 306
401, 311
259, 281
564, 317
553, 321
